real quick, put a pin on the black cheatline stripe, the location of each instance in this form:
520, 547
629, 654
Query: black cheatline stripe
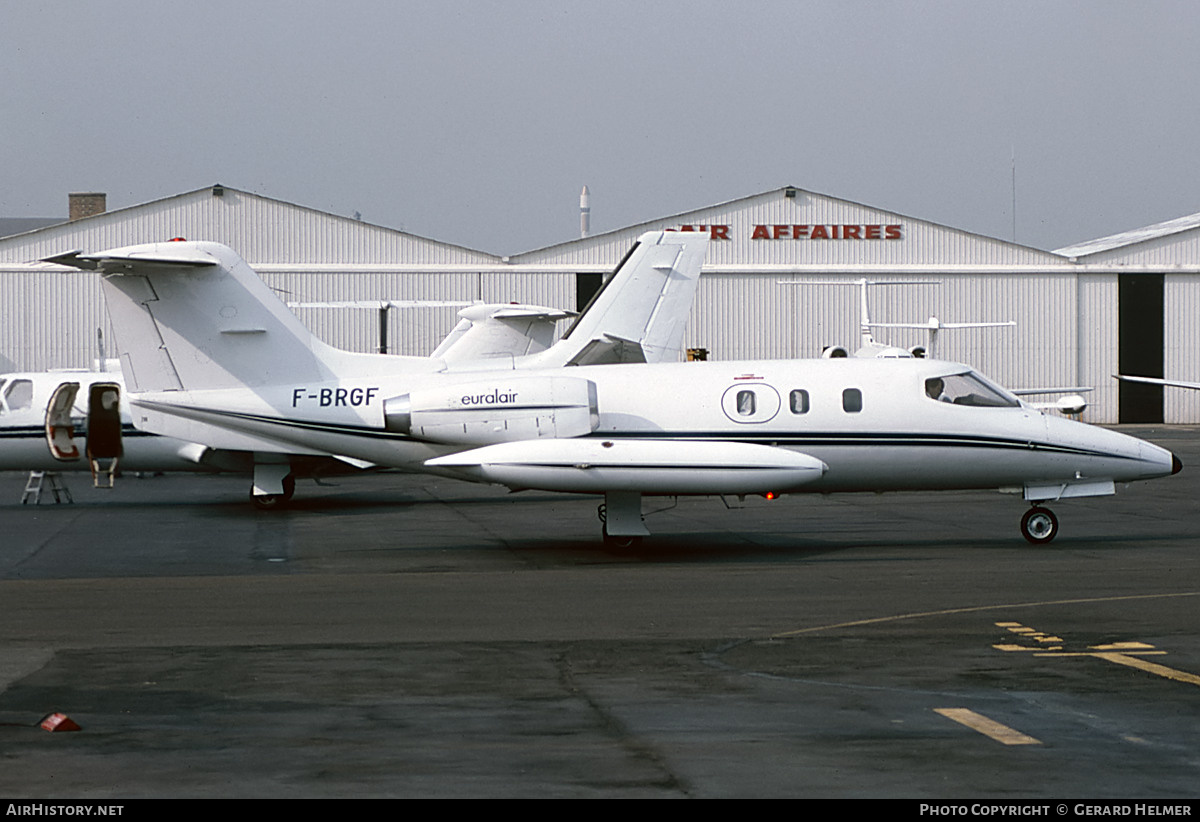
304, 425
40, 431
726, 468
809, 440
778, 438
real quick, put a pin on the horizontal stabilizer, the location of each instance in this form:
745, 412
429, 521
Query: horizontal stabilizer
648, 466
194, 316
129, 260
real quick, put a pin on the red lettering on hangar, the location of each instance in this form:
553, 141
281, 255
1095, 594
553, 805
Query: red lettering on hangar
827, 232
715, 232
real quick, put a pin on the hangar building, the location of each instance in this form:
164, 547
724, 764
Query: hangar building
1083, 313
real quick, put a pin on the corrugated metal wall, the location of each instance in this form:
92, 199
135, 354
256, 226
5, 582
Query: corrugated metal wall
1181, 352
1099, 348
50, 318
754, 316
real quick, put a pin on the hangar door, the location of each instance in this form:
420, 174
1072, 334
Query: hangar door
1141, 345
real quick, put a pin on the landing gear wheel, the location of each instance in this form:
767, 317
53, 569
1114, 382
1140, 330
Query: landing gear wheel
1039, 525
272, 502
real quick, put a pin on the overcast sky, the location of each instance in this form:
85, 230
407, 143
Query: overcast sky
478, 122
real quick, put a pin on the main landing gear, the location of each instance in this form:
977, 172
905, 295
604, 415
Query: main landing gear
1039, 525
621, 519
274, 485
270, 502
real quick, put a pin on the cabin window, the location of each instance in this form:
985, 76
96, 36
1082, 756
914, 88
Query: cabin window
19, 395
852, 401
798, 401
746, 404
751, 403
968, 389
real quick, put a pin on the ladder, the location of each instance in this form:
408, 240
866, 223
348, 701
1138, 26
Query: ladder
33, 487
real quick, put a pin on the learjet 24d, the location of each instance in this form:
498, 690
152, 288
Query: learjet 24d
211, 355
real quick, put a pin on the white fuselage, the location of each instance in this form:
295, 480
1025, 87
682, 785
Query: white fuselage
871, 422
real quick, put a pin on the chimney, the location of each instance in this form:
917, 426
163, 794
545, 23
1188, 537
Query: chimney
87, 204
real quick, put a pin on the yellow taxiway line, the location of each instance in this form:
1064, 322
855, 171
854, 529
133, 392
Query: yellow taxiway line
987, 727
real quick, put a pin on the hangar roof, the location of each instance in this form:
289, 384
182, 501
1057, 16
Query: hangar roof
260, 229
1112, 242
19, 225
790, 228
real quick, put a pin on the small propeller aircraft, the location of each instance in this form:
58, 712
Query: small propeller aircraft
1070, 401
212, 356
869, 347
51, 421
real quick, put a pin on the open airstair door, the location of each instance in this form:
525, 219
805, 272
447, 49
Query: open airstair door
60, 431
104, 448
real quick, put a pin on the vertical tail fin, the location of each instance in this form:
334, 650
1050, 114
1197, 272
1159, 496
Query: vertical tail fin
640, 314
194, 315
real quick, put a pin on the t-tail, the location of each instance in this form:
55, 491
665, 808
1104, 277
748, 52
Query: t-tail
194, 316
641, 312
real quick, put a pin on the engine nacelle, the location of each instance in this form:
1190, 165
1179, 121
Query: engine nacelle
834, 352
501, 409
1071, 404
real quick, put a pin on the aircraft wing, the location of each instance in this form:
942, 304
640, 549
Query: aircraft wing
1195, 386
379, 305
934, 324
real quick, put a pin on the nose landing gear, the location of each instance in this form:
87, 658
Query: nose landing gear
1039, 525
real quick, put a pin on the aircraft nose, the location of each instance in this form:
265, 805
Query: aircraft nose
1176, 463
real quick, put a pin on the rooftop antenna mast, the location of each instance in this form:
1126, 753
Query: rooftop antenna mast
1014, 194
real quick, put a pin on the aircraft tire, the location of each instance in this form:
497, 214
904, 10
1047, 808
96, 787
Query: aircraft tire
1039, 525
622, 543
273, 502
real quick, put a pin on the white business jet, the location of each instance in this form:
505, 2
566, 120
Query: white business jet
212, 356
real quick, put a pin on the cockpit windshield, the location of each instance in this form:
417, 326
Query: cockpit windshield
968, 389
18, 395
